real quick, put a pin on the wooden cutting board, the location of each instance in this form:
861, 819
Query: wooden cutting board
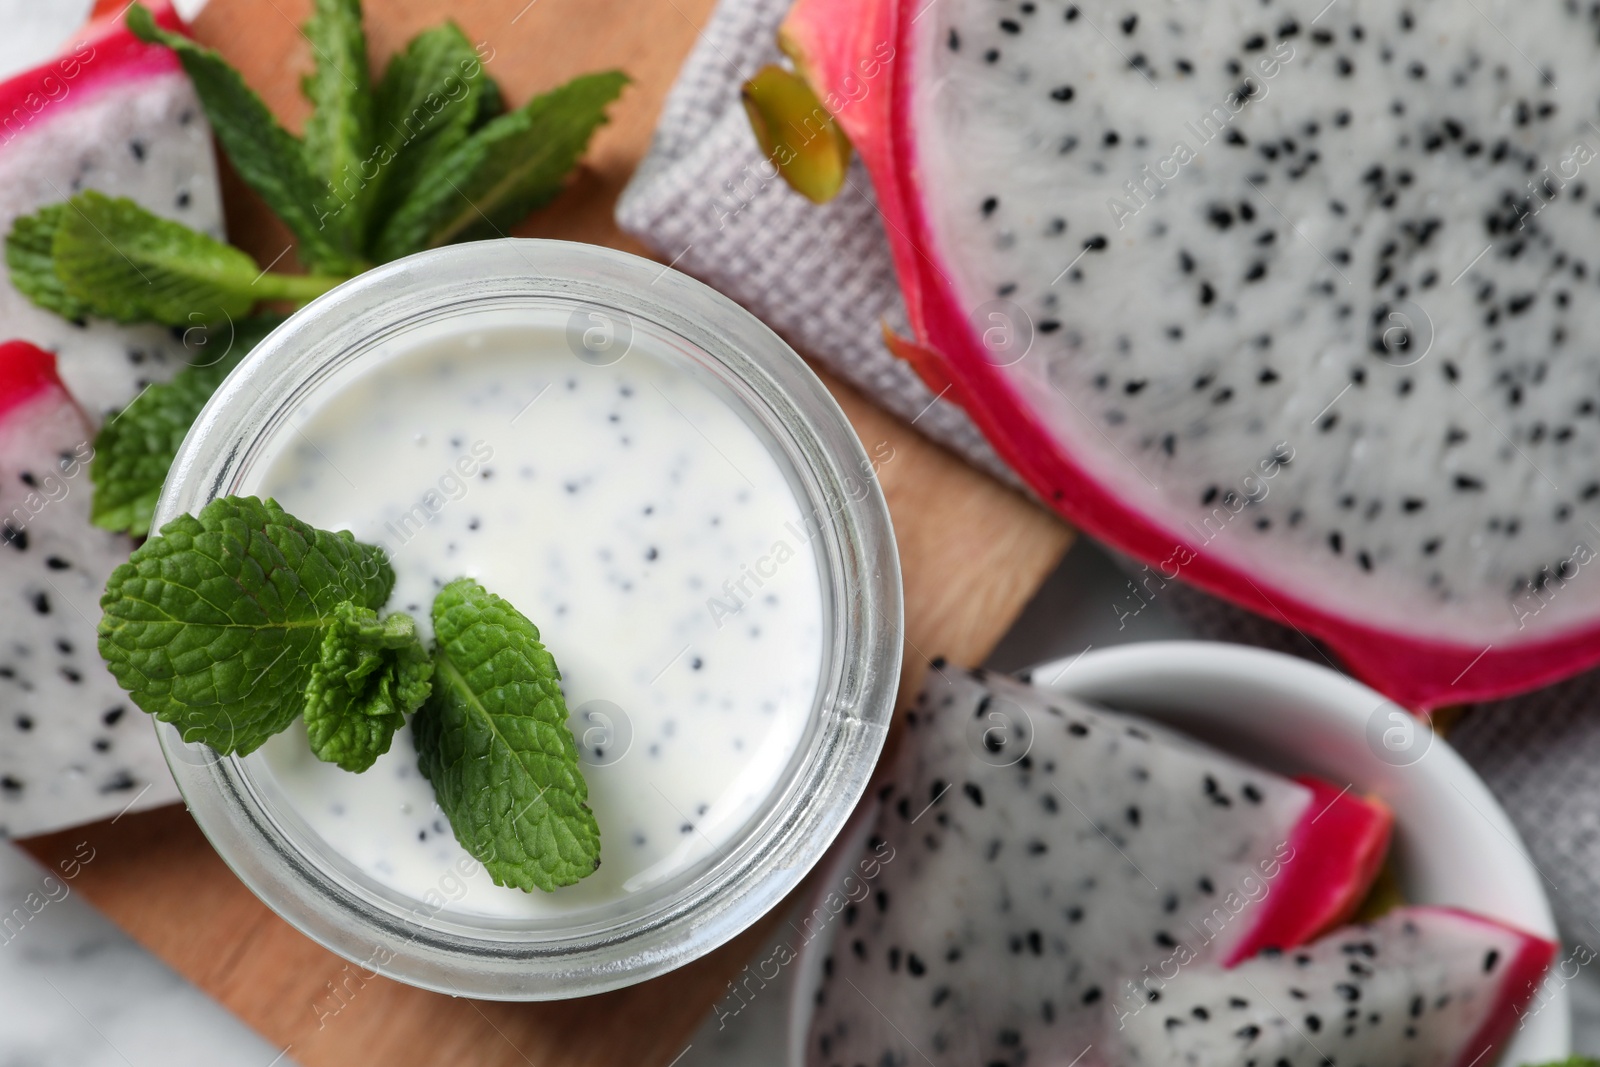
972, 553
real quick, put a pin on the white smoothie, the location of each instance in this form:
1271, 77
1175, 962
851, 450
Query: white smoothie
645, 529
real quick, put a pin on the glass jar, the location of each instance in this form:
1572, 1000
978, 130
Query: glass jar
602, 295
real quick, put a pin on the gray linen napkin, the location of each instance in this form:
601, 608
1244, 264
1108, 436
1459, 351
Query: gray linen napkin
822, 277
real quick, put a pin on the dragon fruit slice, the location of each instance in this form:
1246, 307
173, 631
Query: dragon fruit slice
114, 114
1294, 303
69, 750
1424, 987
1037, 855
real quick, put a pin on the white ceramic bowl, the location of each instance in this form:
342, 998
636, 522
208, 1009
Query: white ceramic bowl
1453, 842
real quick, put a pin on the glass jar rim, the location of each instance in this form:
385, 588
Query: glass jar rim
863, 610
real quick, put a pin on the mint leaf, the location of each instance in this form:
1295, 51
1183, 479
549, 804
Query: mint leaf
493, 739
338, 135
128, 264
514, 164
135, 448
268, 157
368, 677
33, 268
216, 624
427, 101
125, 263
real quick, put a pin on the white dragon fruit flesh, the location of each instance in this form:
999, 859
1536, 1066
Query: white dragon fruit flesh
71, 746
1294, 301
1043, 861
1419, 987
114, 114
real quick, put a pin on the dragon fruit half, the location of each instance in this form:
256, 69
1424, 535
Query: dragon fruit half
1295, 301
1427, 987
118, 115
71, 750
114, 114
1043, 862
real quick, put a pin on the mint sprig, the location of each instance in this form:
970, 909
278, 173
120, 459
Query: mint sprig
369, 675
135, 449
428, 157
232, 623
494, 741
268, 157
216, 625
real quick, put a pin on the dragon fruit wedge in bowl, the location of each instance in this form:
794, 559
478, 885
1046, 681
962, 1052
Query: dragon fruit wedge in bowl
1295, 302
1174, 882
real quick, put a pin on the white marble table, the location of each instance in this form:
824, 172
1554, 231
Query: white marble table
76, 992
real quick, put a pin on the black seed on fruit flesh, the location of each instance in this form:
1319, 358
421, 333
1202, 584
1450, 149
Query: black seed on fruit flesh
118, 783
